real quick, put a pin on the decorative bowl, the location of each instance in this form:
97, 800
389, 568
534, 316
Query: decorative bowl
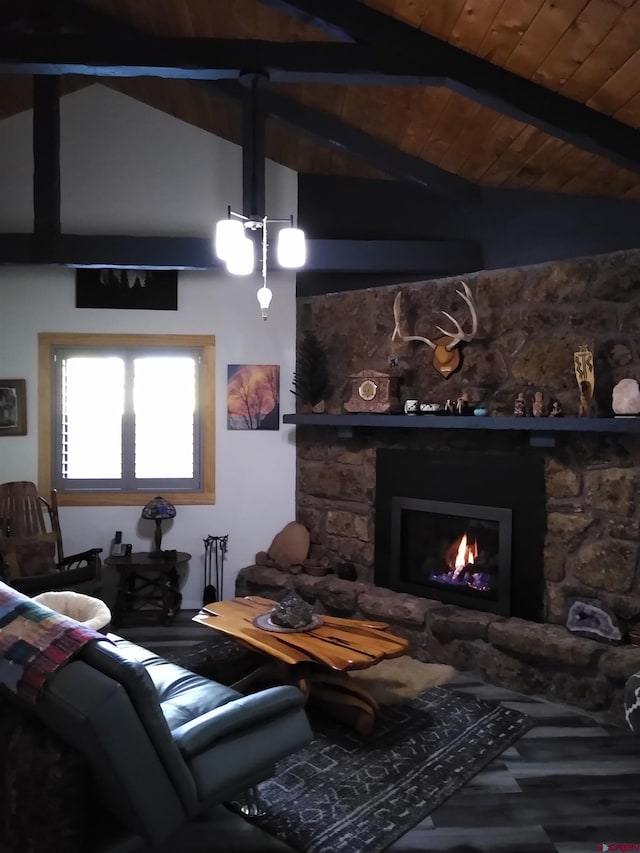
263, 620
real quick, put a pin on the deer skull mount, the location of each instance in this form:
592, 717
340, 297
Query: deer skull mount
446, 355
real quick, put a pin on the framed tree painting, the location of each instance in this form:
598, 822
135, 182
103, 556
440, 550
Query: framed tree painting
253, 396
13, 407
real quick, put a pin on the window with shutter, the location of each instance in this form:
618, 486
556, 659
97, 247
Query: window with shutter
128, 414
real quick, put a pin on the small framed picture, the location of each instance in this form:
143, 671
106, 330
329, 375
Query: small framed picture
153, 290
253, 396
13, 407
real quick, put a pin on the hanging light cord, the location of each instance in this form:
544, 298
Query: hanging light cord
264, 251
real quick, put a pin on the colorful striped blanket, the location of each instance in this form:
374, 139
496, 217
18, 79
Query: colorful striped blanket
34, 642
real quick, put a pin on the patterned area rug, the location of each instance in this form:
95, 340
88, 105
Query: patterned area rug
347, 793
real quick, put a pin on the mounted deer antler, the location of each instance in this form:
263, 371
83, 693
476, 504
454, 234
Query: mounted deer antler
446, 357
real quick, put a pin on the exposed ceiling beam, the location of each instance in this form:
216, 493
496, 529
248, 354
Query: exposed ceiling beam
414, 58
73, 250
80, 18
331, 132
398, 256
46, 162
475, 78
323, 128
14, 13
180, 58
313, 15
394, 51
253, 150
46, 140
22, 57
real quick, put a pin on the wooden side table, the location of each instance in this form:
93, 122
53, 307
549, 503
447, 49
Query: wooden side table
148, 582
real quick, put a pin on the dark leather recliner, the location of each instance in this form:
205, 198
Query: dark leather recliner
164, 743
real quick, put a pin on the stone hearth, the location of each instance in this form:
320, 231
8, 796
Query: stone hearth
527, 656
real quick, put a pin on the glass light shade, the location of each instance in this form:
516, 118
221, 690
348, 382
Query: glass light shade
291, 249
159, 507
240, 261
228, 233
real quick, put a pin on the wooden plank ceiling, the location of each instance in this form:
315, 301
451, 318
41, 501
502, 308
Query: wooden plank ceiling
585, 50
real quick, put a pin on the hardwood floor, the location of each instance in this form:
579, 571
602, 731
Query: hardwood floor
570, 784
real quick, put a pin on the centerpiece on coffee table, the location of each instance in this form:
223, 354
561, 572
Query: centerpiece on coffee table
291, 615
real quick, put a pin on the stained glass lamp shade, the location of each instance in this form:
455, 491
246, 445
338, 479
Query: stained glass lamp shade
158, 509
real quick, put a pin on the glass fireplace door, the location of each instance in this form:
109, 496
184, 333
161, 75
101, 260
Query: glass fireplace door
457, 553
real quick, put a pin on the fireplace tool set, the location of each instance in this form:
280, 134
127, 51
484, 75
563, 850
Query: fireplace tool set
215, 548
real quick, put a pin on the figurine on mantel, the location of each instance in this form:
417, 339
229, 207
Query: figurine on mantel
555, 409
538, 405
585, 376
462, 404
585, 406
519, 405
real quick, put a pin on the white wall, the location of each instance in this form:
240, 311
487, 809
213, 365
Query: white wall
129, 169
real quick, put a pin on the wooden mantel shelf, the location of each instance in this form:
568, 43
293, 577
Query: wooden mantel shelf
471, 422
539, 428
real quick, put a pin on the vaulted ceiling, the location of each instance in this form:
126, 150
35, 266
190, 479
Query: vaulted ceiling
535, 94
452, 95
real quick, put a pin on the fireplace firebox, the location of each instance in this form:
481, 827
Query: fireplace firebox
466, 529
459, 552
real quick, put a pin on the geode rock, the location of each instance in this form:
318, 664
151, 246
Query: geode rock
592, 620
292, 612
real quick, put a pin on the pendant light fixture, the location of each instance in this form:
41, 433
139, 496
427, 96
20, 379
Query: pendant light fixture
234, 240
237, 250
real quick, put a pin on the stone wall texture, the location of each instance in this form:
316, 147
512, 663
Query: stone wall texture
530, 322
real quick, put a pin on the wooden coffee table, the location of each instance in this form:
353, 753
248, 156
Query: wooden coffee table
316, 661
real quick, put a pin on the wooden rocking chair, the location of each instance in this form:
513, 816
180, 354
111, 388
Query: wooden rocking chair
31, 553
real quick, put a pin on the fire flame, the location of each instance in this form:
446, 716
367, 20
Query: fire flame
462, 553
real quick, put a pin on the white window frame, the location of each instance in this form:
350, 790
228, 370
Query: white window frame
49, 412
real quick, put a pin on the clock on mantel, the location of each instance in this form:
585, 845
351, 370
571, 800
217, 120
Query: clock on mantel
372, 391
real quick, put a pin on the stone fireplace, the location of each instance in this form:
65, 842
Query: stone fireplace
574, 504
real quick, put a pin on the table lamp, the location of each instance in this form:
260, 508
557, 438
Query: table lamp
158, 509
